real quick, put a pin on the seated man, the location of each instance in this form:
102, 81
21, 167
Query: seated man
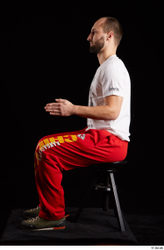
105, 139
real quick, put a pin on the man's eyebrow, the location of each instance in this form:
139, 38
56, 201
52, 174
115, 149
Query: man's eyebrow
93, 29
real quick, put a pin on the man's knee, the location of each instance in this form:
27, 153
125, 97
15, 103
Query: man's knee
42, 142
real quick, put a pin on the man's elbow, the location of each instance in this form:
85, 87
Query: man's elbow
115, 116
112, 114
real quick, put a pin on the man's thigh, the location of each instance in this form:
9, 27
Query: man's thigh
81, 148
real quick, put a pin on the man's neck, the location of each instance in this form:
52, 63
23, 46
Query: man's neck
102, 57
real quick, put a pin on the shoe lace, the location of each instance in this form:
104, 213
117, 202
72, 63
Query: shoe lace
32, 209
34, 219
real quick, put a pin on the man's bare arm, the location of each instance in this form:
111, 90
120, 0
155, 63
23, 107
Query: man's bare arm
109, 111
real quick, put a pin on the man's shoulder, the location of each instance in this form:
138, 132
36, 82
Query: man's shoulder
112, 63
113, 67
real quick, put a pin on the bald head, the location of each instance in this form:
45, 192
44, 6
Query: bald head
100, 21
111, 24
105, 37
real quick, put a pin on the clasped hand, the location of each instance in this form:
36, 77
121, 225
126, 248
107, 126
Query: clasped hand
61, 107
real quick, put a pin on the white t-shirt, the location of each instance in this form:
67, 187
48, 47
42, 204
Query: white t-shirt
111, 78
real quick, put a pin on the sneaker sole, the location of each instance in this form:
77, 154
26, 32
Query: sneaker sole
45, 229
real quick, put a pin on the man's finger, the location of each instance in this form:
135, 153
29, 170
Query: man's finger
51, 106
55, 113
60, 100
53, 109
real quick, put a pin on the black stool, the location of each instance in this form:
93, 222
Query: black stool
108, 186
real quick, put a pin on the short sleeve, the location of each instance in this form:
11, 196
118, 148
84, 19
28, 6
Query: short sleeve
112, 82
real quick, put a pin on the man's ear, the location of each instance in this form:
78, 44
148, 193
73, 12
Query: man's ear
109, 35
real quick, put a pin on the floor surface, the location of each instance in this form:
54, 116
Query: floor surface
147, 229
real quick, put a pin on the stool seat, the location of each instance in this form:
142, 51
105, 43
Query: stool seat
109, 166
108, 169
117, 162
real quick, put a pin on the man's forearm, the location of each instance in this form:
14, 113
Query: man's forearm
98, 112
109, 111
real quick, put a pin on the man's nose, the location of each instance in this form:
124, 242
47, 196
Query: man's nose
89, 37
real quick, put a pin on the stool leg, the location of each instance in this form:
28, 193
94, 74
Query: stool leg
118, 209
106, 195
84, 198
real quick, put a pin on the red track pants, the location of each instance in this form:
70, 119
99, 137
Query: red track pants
66, 151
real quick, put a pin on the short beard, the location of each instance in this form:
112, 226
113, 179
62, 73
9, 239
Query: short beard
97, 46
